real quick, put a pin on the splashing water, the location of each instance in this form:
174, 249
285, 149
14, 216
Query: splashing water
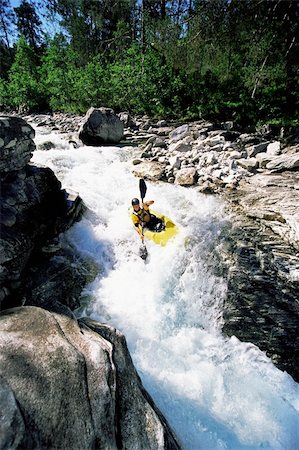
216, 392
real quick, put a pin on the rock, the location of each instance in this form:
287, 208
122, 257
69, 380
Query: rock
164, 131
284, 162
150, 170
179, 133
261, 303
174, 162
263, 159
229, 125
235, 155
142, 424
160, 143
101, 126
34, 209
179, 147
249, 164
48, 145
127, 120
161, 123
83, 392
186, 176
12, 427
278, 193
273, 149
16, 143
255, 149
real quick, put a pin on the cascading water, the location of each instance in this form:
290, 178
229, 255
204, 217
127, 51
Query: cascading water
216, 392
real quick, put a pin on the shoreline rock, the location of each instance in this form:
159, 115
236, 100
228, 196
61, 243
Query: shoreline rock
77, 389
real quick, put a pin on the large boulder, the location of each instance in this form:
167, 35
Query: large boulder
101, 126
68, 385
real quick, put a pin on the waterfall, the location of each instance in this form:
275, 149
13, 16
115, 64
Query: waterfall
216, 392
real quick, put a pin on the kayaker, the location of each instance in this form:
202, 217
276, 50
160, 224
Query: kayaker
143, 218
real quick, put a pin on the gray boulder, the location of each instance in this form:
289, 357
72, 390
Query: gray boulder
70, 385
101, 126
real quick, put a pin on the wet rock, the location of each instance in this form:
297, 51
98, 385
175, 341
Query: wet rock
48, 145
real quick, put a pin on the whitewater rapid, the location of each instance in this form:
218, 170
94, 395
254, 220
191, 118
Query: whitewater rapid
216, 392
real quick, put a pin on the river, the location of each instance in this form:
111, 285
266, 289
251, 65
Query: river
216, 392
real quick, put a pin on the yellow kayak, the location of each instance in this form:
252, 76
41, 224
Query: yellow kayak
164, 236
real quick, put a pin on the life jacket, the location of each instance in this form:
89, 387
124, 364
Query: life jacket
142, 214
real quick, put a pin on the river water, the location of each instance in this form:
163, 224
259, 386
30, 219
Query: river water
216, 392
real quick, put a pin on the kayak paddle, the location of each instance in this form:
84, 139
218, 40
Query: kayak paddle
143, 250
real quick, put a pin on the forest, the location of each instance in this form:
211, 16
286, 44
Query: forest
188, 59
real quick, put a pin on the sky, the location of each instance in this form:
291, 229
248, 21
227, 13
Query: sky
48, 26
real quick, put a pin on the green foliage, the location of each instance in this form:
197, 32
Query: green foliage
25, 89
3, 93
58, 72
219, 60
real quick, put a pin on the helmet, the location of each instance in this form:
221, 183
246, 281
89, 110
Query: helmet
135, 201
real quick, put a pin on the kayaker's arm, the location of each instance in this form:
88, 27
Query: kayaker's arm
137, 226
139, 230
147, 204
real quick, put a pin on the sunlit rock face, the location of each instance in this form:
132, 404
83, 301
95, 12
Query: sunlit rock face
65, 384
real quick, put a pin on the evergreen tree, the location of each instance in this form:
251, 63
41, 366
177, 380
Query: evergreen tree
92, 23
29, 24
6, 30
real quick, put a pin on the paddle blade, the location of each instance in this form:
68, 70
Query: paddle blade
143, 252
142, 188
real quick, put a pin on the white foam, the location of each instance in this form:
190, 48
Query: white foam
217, 393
